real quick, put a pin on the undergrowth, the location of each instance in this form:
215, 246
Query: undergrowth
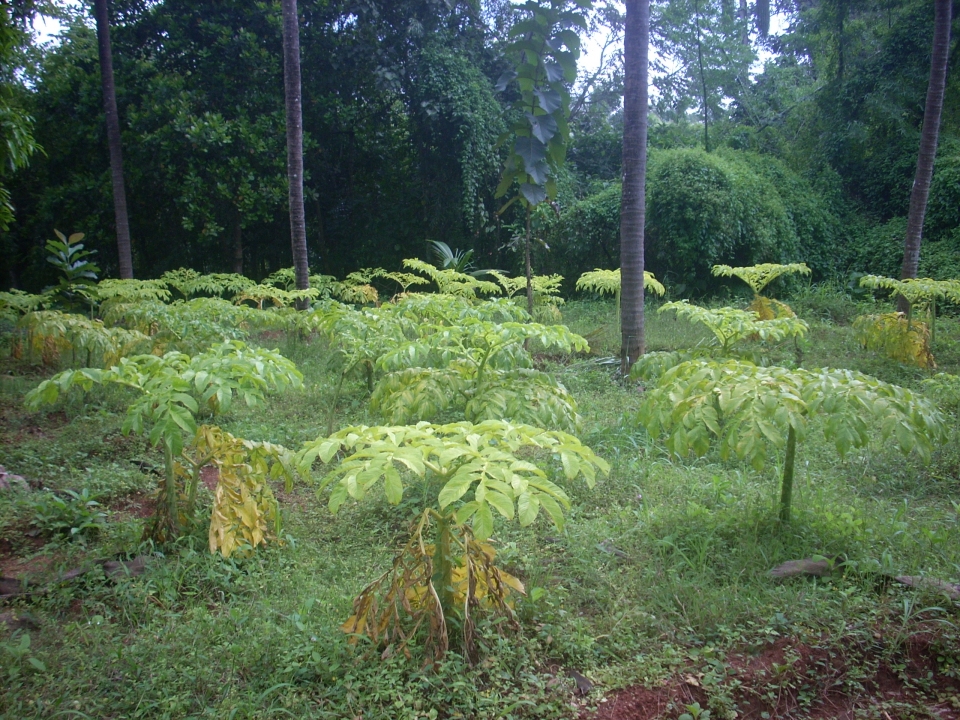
661, 569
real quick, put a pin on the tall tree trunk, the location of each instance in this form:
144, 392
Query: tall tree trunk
528, 270
113, 139
291, 90
703, 78
633, 201
928, 142
237, 265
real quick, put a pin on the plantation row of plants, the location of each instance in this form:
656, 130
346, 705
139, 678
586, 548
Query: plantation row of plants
447, 355
474, 429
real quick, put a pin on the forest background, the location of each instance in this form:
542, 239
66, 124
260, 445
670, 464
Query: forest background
807, 158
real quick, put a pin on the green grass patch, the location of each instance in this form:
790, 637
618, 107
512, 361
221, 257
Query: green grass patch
662, 568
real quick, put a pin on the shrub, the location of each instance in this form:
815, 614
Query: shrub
703, 209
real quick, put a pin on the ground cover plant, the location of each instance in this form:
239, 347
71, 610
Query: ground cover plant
657, 584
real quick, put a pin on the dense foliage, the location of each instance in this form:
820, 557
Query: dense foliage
402, 114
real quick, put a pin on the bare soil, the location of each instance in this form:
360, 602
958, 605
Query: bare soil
789, 680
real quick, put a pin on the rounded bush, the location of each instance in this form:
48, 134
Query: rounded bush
727, 207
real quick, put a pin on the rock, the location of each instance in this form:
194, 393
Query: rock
8, 480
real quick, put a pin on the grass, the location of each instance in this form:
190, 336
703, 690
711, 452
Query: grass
662, 568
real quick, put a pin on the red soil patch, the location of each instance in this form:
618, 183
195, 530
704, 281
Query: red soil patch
51, 421
136, 506
788, 680
18, 553
210, 476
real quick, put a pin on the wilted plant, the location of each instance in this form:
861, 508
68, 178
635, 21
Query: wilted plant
245, 512
897, 337
920, 293
463, 472
174, 389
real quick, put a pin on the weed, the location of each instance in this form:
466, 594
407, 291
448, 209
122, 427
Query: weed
75, 515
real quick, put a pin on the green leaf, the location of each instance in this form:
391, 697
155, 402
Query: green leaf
501, 502
466, 511
483, 522
532, 151
533, 194
527, 506
549, 100
571, 465
543, 127
553, 510
338, 496
455, 488
393, 487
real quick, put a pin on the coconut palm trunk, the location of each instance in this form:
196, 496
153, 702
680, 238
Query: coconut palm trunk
633, 204
113, 139
928, 142
291, 87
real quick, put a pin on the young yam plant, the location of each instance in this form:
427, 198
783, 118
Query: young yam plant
190, 326
48, 335
452, 282
607, 282
130, 291
746, 409
278, 297
405, 280
189, 282
16, 303
464, 473
730, 325
758, 277
480, 367
174, 389
354, 289
361, 336
546, 293
944, 388
423, 309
